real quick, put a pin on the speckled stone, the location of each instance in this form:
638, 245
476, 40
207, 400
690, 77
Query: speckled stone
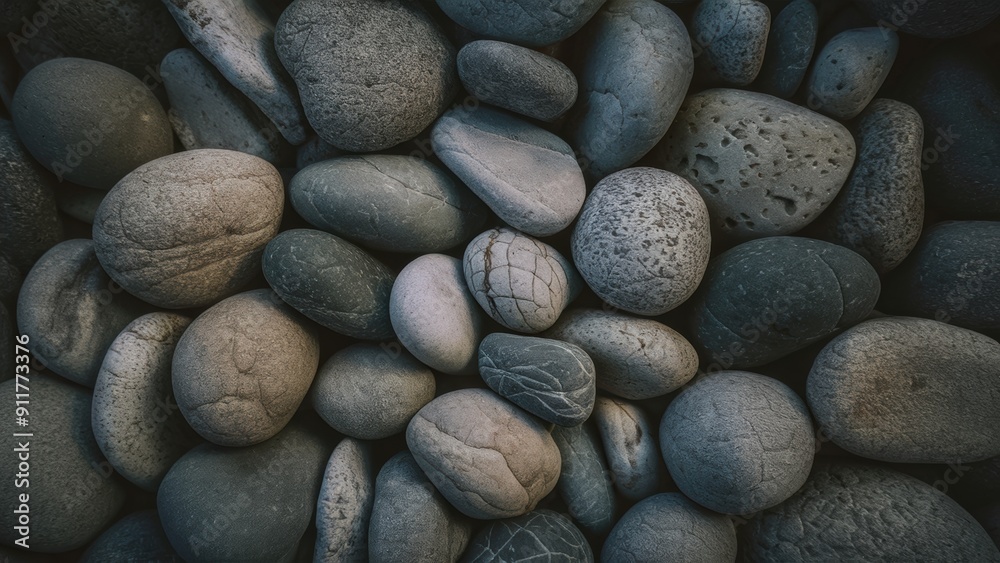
630, 447
540, 534
238, 38
552, 380
72, 311
331, 281
737, 442
434, 315
528, 176
94, 133
188, 229
642, 241
732, 39
521, 282
879, 213
369, 392
932, 18
767, 298
790, 46
411, 521
137, 424
637, 69
242, 368
850, 70
635, 358
765, 166
387, 202
136, 537
584, 481
486, 456
936, 387
345, 503
517, 79
669, 527
384, 85
533, 23
853, 512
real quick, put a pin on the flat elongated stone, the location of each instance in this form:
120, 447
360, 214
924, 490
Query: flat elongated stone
585, 481
345, 503
790, 46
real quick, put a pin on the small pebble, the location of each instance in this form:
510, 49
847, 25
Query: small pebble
849, 71
630, 446
585, 481
790, 46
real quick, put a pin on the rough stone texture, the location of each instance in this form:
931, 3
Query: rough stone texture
527, 22
952, 276
552, 380
371, 74
136, 537
94, 133
669, 527
765, 166
369, 392
733, 37
539, 535
521, 283
634, 358
79, 202
767, 298
259, 499
188, 229
411, 521
489, 458
630, 446
637, 70
903, 389
737, 442
242, 368
72, 311
853, 512
790, 46
879, 213
73, 491
435, 316
932, 18
136, 421
29, 220
209, 113
345, 504
528, 176
387, 202
518, 79
584, 480
642, 241
850, 70
238, 38
331, 281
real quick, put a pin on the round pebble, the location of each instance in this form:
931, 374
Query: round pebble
584, 479
850, 70
733, 36
540, 534
242, 368
136, 537
932, 18
642, 240
345, 503
530, 23
790, 45
630, 446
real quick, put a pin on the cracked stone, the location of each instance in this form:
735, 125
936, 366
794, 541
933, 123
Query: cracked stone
539, 535
344, 507
630, 446
584, 479
733, 36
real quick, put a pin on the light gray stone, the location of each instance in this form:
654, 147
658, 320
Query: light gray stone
733, 37
630, 446
584, 480
345, 503
850, 70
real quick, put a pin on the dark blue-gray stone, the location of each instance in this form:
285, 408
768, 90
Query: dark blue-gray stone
552, 380
767, 298
331, 281
136, 537
849, 71
526, 22
585, 482
732, 38
790, 46
932, 18
539, 535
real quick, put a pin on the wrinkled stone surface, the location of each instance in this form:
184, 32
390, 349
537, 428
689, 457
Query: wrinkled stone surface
849, 71
630, 446
345, 503
540, 534
584, 481
790, 45
526, 22
733, 36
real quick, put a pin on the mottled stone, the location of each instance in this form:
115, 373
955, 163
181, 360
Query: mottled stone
388, 81
903, 389
528, 176
136, 422
642, 241
635, 358
790, 46
527, 22
850, 70
853, 512
732, 35
540, 534
188, 229
630, 446
345, 503
584, 480
765, 166
94, 133
242, 368
637, 69
331, 281
669, 527
387, 202
521, 282
737, 442
489, 458
932, 18
136, 537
